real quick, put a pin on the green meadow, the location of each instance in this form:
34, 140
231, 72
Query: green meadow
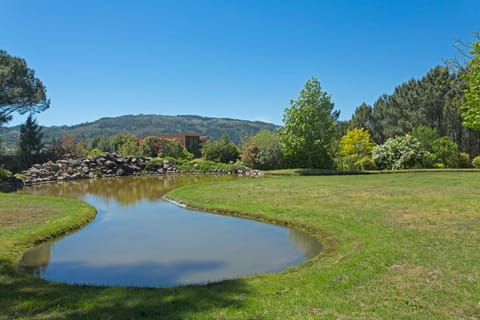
396, 246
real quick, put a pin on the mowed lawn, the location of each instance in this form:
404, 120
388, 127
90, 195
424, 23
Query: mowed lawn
397, 246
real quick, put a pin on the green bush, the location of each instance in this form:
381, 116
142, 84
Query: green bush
476, 162
446, 152
263, 151
94, 152
222, 150
464, 160
365, 163
4, 173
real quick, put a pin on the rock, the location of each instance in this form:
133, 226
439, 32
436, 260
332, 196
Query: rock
109, 164
112, 164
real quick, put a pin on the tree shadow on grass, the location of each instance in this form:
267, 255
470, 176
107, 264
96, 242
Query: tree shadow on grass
25, 297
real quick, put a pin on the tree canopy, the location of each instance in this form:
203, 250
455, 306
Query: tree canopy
471, 112
20, 90
309, 128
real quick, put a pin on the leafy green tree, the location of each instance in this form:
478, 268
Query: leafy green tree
222, 150
471, 112
20, 91
150, 146
354, 146
30, 142
309, 128
102, 143
117, 141
154, 146
425, 135
128, 145
174, 149
402, 152
262, 151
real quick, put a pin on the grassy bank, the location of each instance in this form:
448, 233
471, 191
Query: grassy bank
397, 246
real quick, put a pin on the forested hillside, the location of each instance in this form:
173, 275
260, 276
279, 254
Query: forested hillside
145, 125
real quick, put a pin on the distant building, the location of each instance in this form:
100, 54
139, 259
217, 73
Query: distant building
191, 141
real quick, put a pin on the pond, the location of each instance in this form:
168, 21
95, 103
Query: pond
139, 239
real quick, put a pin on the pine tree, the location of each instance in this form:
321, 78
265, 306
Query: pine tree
30, 142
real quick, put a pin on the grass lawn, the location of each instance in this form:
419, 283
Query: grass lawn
403, 246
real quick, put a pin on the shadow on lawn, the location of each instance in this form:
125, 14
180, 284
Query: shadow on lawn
22, 296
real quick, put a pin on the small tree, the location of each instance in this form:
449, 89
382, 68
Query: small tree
222, 150
30, 142
309, 128
262, 151
355, 145
68, 146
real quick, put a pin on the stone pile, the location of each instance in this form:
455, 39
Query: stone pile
109, 165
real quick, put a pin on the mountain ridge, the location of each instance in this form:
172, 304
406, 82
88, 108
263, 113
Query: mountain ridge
146, 124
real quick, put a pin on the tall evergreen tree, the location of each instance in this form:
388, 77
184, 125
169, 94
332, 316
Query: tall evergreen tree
30, 142
362, 118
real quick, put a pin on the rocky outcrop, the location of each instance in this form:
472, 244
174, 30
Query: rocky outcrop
111, 165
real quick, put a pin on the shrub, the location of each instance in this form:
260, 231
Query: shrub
365, 163
446, 151
464, 160
153, 146
262, 151
476, 162
4, 173
354, 150
68, 146
222, 150
173, 148
94, 152
402, 152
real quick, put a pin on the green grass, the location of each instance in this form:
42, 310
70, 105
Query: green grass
327, 172
396, 247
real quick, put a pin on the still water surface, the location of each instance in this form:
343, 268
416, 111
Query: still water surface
138, 239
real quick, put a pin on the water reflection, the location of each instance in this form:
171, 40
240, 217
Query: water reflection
138, 239
123, 190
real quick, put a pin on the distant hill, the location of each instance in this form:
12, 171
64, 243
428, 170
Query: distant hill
144, 125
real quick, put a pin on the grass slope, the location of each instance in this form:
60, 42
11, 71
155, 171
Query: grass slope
397, 246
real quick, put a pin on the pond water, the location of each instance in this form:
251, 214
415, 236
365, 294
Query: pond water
138, 239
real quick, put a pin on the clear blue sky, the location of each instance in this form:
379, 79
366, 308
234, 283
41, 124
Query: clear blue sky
240, 59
